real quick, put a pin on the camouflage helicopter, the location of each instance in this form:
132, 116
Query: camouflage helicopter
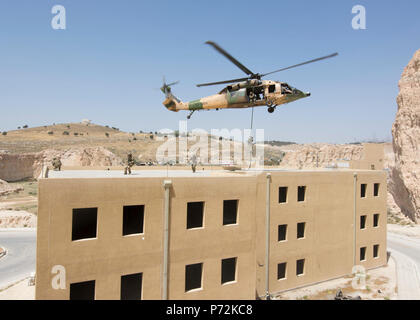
245, 92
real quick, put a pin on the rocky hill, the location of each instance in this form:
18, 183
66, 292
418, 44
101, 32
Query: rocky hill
405, 175
78, 135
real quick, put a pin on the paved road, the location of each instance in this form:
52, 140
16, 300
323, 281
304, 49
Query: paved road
19, 261
406, 251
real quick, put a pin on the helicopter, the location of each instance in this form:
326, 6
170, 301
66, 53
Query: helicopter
247, 92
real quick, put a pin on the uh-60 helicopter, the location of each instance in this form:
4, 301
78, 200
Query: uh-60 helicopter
245, 92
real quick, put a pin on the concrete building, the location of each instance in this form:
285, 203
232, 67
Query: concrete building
108, 232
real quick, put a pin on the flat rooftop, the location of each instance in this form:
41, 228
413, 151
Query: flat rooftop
173, 173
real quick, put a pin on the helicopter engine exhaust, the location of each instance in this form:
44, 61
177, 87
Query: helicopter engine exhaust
244, 84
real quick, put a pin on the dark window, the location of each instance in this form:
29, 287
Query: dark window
195, 211
282, 194
82, 290
228, 270
131, 286
376, 250
363, 254
193, 273
301, 230
281, 270
376, 189
230, 212
376, 219
84, 223
271, 88
133, 219
282, 232
362, 222
300, 267
301, 193
363, 190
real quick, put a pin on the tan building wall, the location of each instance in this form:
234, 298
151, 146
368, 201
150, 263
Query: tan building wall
330, 244
111, 255
328, 247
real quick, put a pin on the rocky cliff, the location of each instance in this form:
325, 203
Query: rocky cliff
405, 174
6, 188
321, 155
16, 167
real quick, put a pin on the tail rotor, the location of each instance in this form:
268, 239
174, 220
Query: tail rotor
166, 88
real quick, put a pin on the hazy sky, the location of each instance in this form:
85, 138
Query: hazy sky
109, 61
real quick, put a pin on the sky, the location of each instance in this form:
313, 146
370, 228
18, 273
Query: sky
108, 64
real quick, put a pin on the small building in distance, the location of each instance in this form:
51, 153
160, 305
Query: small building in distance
107, 231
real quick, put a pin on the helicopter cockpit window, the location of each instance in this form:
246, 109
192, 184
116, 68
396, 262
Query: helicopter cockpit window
272, 88
286, 89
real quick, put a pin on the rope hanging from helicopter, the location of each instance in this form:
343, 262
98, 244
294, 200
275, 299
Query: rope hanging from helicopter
251, 139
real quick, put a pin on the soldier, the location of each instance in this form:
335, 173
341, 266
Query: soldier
339, 295
193, 163
130, 163
56, 163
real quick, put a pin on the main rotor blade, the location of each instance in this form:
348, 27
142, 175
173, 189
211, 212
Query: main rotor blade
221, 82
173, 83
232, 59
301, 64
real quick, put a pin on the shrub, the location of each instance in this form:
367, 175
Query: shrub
151, 136
4, 133
50, 132
107, 134
65, 133
76, 133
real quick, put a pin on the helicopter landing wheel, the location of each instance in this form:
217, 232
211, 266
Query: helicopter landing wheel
191, 113
271, 109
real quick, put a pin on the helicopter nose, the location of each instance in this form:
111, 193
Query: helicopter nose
308, 94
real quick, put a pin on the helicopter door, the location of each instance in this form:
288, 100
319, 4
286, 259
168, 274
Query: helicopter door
239, 96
